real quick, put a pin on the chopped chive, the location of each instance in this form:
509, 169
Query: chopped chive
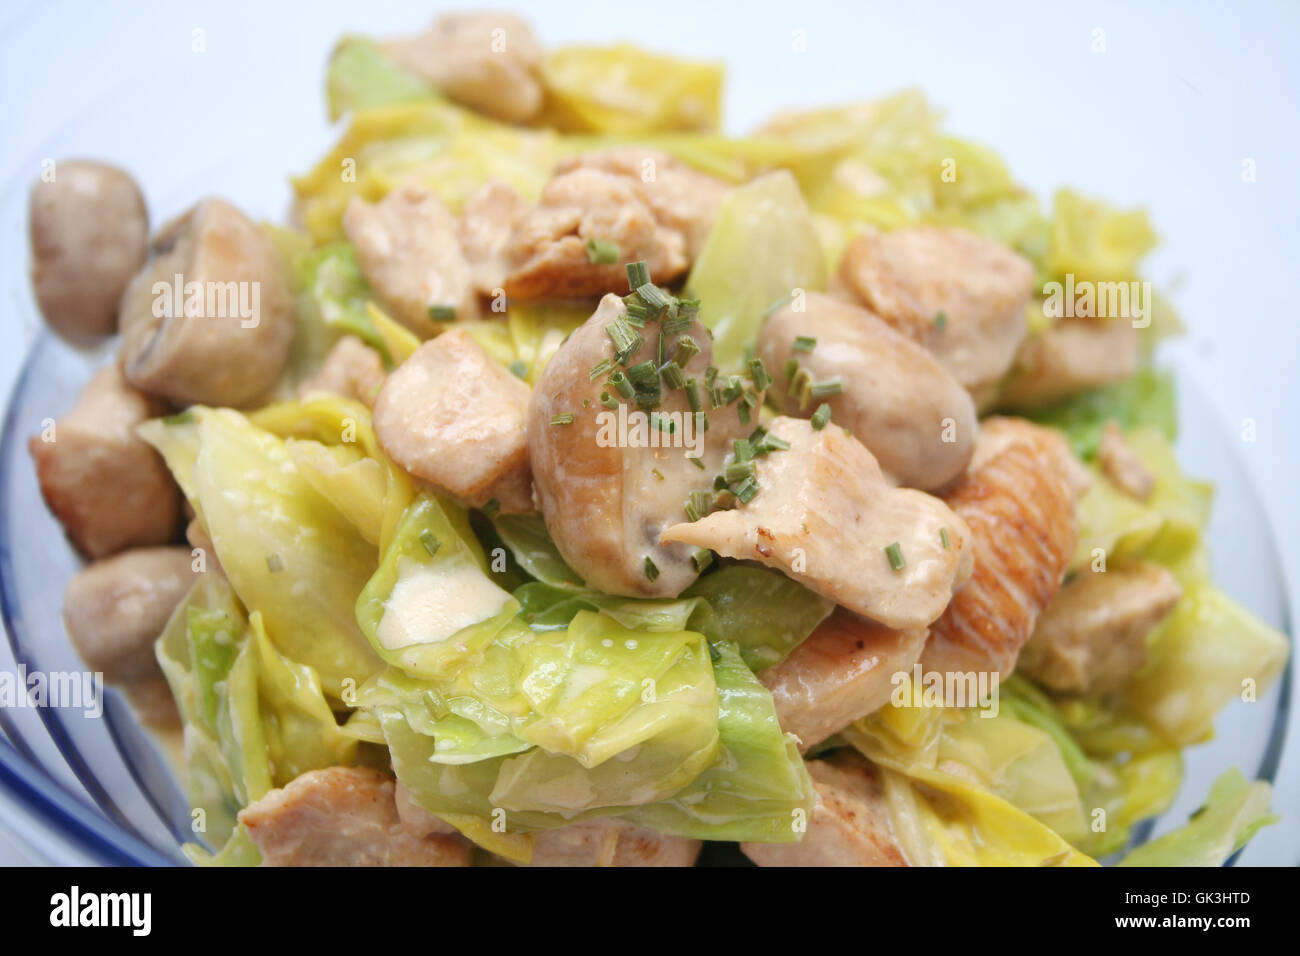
653, 297
626, 340
678, 323
943, 536
735, 388
822, 417
746, 490
442, 313
687, 349
274, 563
720, 483
803, 343
564, 418
519, 368
770, 443
599, 369
637, 313
941, 320
659, 475
895, 554
602, 252
710, 375
826, 389
742, 413
702, 558
698, 505
661, 349
430, 542
689, 308
790, 368
742, 449
186, 417
697, 462
621, 383
638, 274
663, 424
693, 395
673, 375
740, 471
758, 374
492, 508
643, 375
651, 571
756, 435
608, 400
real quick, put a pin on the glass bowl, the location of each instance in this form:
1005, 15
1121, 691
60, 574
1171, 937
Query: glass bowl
86, 788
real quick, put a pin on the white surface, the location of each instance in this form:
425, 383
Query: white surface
1182, 96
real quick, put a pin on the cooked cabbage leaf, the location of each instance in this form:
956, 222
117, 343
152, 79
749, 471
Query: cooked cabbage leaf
1234, 811
360, 77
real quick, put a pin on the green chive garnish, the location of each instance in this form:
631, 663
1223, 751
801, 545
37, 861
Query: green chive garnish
758, 374
662, 423
621, 383
564, 418
651, 571
186, 417
746, 490
602, 252
626, 340
826, 389
274, 563
804, 343
492, 508
698, 505
430, 542
599, 369
673, 375
941, 320
519, 368
693, 395
697, 462
608, 400
822, 417
442, 313
771, 443
742, 449
790, 368
895, 554
701, 558
740, 471
638, 274
943, 536
687, 349
653, 297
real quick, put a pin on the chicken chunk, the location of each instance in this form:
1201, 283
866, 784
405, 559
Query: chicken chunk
490, 62
409, 252
90, 235
1121, 464
109, 489
417, 819
607, 492
351, 369
842, 672
898, 400
453, 416
1092, 636
210, 319
825, 516
115, 609
1020, 506
849, 826
1071, 356
342, 816
486, 224
653, 207
609, 841
999, 432
960, 295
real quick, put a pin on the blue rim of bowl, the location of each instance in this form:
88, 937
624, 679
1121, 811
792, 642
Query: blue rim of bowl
24, 778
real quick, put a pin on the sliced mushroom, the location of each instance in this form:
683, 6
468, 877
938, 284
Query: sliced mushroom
609, 841
825, 516
842, 672
342, 816
89, 233
897, 399
849, 826
351, 369
649, 205
109, 489
115, 609
609, 482
1092, 636
1020, 506
960, 295
491, 62
1070, 357
410, 254
210, 318
455, 417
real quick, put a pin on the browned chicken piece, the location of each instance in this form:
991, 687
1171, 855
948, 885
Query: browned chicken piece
1121, 464
115, 609
109, 489
825, 516
342, 816
1020, 506
409, 252
960, 295
652, 206
487, 222
606, 496
842, 672
1092, 636
417, 819
611, 842
90, 235
351, 369
998, 432
849, 826
488, 61
223, 338
1071, 356
898, 400
453, 416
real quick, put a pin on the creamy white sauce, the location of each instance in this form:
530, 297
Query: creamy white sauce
430, 604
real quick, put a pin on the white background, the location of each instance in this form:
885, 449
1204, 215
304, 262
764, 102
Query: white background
1183, 95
